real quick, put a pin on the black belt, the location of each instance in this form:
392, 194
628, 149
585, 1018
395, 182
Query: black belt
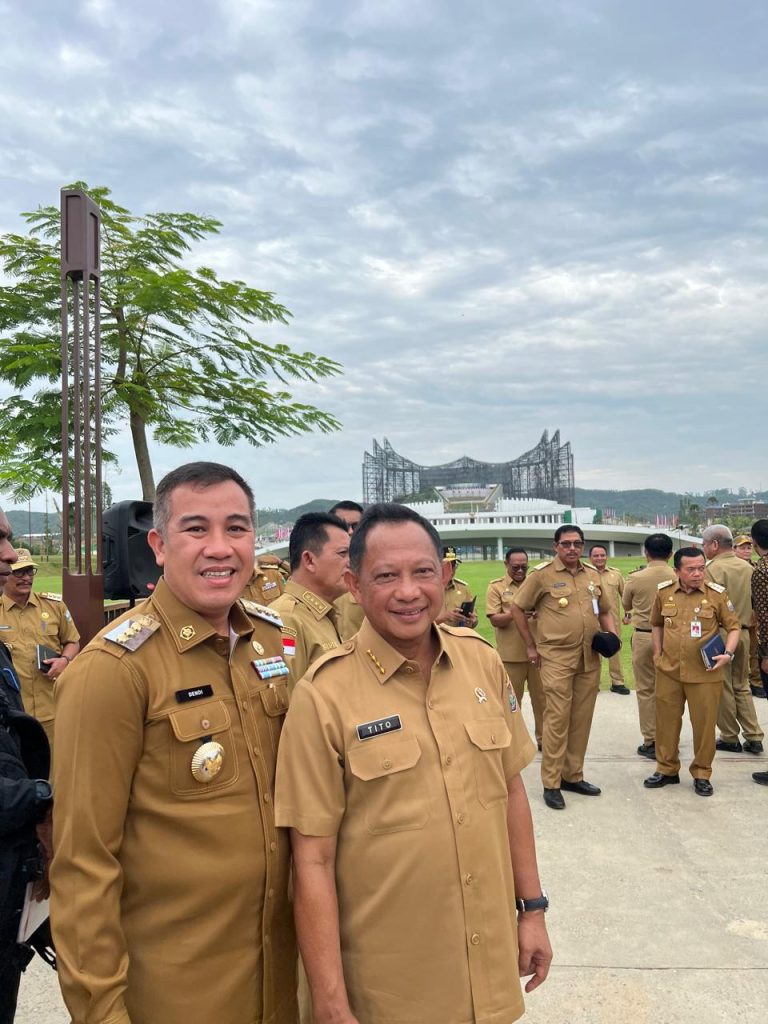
742, 626
639, 630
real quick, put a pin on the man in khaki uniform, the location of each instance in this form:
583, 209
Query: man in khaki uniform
509, 643
687, 614
571, 607
412, 831
613, 585
737, 708
319, 554
170, 879
457, 593
265, 585
349, 614
26, 620
638, 599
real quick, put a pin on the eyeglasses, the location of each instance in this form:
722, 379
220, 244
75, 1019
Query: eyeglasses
28, 571
570, 543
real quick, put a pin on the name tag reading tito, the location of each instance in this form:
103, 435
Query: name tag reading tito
367, 730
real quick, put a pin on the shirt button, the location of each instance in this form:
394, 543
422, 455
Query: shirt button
475, 940
205, 723
493, 737
449, 760
273, 847
244, 703
469, 879
461, 817
386, 763
409, 669
271, 894
430, 704
267, 798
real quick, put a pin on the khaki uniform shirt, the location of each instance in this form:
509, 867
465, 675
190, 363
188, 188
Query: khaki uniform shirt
675, 610
412, 778
265, 586
613, 584
349, 616
735, 575
44, 619
498, 599
566, 609
641, 589
309, 628
169, 894
456, 593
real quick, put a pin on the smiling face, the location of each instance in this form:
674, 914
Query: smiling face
569, 547
206, 553
598, 557
400, 585
517, 566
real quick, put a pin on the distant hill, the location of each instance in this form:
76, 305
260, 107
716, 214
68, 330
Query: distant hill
648, 503
23, 523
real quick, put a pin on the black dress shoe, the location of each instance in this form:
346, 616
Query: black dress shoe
582, 786
657, 780
761, 778
732, 748
752, 747
647, 750
757, 691
703, 787
619, 688
554, 798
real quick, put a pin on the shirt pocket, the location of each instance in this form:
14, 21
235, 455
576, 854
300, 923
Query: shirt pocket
190, 727
488, 738
706, 614
274, 700
393, 794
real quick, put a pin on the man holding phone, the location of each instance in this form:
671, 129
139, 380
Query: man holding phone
29, 621
459, 602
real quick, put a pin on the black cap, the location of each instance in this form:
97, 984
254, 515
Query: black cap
606, 643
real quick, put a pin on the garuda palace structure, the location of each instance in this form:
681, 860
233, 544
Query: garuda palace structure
545, 471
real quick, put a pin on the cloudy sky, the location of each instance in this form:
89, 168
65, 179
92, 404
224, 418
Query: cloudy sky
500, 217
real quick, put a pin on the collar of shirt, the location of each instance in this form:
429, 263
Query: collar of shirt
560, 567
177, 617
316, 605
382, 659
678, 588
9, 603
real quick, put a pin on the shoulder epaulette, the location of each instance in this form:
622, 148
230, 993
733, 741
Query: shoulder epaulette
638, 569
51, 597
260, 611
132, 633
542, 565
462, 582
588, 565
716, 587
666, 583
499, 580
464, 631
335, 652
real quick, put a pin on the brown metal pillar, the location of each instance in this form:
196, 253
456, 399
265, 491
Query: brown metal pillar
81, 379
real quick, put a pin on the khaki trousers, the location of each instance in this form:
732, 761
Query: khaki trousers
703, 701
737, 707
645, 684
615, 670
570, 695
519, 672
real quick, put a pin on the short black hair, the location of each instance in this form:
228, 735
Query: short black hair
604, 548
347, 506
197, 474
682, 553
658, 545
387, 513
568, 528
514, 551
310, 533
759, 531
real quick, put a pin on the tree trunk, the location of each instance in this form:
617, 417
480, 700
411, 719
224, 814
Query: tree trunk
141, 451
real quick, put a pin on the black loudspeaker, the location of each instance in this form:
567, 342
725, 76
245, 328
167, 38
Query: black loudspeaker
130, 569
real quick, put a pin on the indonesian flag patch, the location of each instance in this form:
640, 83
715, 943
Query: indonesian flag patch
289, 646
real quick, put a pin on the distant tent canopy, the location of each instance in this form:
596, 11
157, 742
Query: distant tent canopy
545, 471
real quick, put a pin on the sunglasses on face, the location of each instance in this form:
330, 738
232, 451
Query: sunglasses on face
30, 571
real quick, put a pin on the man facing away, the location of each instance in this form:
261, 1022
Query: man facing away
412, 838
613, 584
170, 878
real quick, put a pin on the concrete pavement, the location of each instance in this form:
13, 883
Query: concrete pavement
659, 902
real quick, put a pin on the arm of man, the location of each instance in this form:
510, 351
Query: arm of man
731, 643
316, 911
533, 941
57, 665
101, 709
498, 618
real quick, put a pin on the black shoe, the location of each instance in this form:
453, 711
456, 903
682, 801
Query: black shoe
620, 688
554, 798
647, 750
703, 787
657, 780
582, 786
758, 691
761, 778
752, 747
732, 748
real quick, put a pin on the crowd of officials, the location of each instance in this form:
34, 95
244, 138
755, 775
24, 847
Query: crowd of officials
261, 761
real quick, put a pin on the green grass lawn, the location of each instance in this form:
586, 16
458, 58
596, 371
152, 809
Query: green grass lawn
479, 574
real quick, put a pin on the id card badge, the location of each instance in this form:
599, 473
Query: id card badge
595, 606
695, 629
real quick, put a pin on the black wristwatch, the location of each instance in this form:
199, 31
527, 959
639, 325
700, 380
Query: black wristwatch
539, 903
44, 794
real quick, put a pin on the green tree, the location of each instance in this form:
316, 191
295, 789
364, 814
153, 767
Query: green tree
179, 361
